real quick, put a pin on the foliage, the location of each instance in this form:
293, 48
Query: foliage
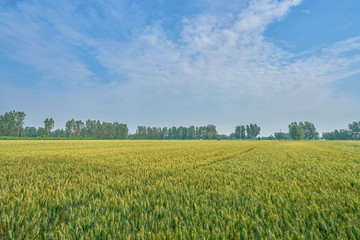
249, 132
354, 129
342, 134
176, 133
12, 124
179, 190
282, 136
309, 129
49, 124
352, 133
296, 131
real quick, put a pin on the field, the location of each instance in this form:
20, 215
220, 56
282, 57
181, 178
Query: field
179, 189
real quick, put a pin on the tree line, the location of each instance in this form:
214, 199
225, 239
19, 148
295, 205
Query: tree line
176, 133
12, 125
351, 133
247, 132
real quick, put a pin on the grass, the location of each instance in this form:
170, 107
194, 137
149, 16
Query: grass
179, 189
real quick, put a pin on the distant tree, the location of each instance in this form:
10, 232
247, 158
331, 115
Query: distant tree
192, 132
79, 125
248, 132
296, 132
40, 132
232, 136
242, 132
19, 120
49, 124
342, 134
121, 130
70, 128
254, 130
211, 132
237, 132
282, 136
164, 133
354, 129
225, 137
90, 127
8, 124
309, 129
12, 124
141, 132
58, 133
30, 132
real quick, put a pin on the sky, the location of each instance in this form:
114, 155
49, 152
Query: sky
181, 63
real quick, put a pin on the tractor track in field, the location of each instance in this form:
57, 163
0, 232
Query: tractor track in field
223, 159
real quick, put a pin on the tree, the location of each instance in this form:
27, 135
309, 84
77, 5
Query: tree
19, 120
242, 132
12, 124
40, 131
254, 130
8, 124
296, 132
30, 131
309, 129
282, 136
237, 132
58, 133
192, 132
70, 128
49, 124
248, 134
79, 125
354, 128
141, 132
211, 132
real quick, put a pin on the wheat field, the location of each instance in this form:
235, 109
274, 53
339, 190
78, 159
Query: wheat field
179, 190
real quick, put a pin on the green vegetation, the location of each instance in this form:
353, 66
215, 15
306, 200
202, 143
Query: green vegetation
12, 126
179, 189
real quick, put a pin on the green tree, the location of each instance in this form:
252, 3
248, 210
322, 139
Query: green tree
354, 129
8, 124
12, 124
295, 131
19, 120
40, 132
30, 131
49, 124
192, 132
237, 132
254, 130
309, 129
58, 133
282, 136
242, 132
79, 125
70, 128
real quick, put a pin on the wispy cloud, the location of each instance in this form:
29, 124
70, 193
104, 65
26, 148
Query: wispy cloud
218, 60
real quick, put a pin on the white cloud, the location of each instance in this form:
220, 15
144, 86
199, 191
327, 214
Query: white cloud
42, 38
221, 67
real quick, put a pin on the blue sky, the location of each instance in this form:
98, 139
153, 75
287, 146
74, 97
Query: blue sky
165, 63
